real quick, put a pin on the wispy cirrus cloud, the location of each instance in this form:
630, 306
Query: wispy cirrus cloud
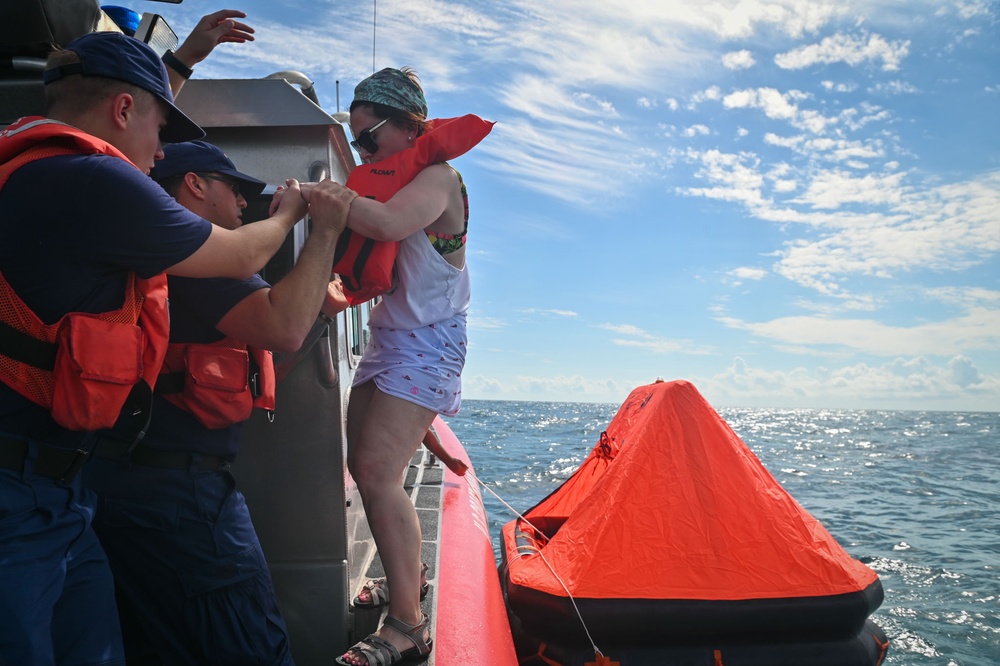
634, 336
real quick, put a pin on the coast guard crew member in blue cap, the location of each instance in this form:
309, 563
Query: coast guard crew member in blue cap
80, 225
196, 583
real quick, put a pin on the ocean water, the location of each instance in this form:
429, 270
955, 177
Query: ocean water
915, 495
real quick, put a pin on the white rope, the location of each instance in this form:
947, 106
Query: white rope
590, 640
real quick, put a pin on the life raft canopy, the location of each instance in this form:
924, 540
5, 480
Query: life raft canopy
673, 530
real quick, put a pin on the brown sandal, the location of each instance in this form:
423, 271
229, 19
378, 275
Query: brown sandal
380, 652
378, 591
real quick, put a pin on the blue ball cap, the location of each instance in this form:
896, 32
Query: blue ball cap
112, 55
203, 157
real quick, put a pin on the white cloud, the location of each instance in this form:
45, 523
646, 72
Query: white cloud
914, 381
747, 273
830, 86
477, 322
873, 224
696, 130
779, 106
559, 387
550, 313
976, 330
625, 329
828, 149
847, 49
966, 297
830, 190
713, 93
732, 20
638, 338
895, 88
738, 60
733, 177
739, 275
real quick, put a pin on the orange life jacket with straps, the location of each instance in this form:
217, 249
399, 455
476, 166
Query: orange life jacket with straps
219, 383
365, 265
85, 366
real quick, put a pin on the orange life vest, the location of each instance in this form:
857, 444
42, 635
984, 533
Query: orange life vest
365, 265
219, 383
84, 367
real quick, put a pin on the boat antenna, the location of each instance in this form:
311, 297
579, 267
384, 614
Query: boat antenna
374, 24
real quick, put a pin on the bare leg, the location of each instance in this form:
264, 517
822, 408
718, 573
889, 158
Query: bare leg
383, 433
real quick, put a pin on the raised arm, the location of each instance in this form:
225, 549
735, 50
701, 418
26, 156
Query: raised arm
418, 205
280, 317
216, 28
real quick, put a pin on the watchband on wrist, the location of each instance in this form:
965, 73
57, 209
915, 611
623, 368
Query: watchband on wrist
174, 63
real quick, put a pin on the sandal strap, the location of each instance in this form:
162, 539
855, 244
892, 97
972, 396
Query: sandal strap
413, 632
378, 651
378, 590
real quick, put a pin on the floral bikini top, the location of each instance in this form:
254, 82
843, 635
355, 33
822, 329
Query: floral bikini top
448, 243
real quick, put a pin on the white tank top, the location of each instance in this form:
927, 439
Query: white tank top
430, 290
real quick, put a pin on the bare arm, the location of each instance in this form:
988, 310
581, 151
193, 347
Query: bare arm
280, 317
418, 205
242, 252
212, 30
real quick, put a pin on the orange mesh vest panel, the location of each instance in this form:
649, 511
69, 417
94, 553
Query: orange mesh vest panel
365, 265
89, 376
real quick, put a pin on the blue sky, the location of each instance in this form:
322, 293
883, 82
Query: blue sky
788, 203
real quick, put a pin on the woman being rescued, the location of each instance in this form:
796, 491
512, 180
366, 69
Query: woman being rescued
411, 369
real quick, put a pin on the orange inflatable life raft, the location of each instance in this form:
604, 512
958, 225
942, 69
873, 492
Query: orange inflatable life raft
678, 546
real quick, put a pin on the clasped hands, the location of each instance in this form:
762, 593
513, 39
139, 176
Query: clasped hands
328, 203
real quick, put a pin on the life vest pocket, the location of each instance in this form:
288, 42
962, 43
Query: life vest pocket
215, 385
97, 364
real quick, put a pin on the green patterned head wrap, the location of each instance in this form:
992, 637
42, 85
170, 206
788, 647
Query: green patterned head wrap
392, 88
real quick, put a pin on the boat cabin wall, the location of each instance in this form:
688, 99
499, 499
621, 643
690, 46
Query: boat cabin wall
292, 467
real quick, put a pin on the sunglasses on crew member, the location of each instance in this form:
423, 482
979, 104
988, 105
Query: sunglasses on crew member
233, 185
365, 141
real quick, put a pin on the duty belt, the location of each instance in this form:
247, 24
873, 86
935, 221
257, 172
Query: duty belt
115, 449
52, 461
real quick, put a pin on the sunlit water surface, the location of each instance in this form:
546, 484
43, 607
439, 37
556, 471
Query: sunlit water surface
912, 494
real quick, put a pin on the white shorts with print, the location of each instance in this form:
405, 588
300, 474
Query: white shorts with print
423, 366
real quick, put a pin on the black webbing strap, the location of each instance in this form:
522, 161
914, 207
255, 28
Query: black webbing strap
168, 383
26, 349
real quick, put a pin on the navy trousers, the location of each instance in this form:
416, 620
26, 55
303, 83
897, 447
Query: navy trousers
188, 565
57, 603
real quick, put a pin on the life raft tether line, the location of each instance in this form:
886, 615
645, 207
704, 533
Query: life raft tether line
590, 640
